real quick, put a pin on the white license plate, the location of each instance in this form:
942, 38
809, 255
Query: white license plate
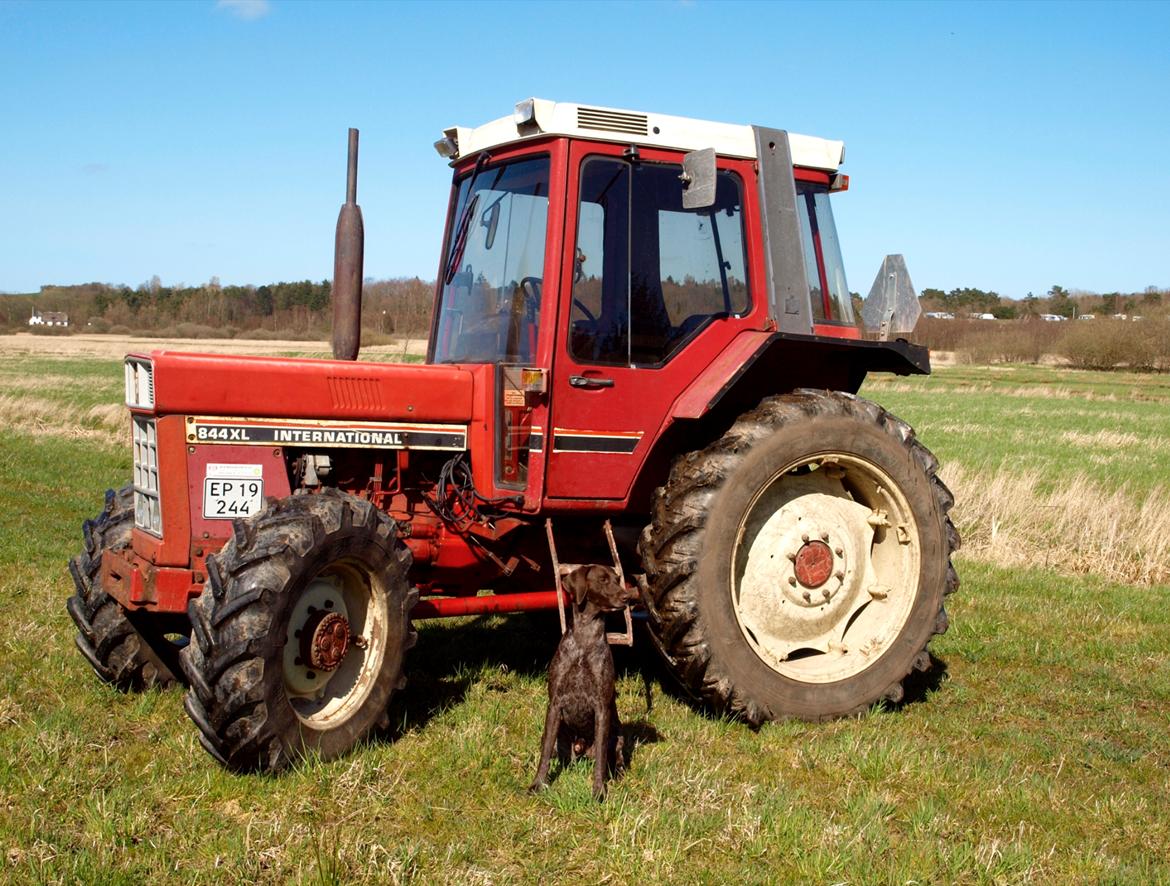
227, 497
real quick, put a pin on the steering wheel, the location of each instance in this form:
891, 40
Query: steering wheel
531, 288
577, 303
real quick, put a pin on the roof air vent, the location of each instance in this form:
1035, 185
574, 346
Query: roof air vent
612, 121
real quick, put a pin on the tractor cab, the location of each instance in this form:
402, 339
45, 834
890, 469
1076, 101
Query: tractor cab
601, 260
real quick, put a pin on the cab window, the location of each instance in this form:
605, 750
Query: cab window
648, 274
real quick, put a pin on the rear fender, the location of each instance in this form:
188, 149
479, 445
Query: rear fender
757, 365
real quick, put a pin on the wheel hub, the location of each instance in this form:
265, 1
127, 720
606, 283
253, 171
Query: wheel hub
813, 564
325, 640
318, 637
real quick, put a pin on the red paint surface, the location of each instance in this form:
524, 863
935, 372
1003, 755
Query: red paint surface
138, 585
283, 387
447, 607
837, 330
641, 398
275, 475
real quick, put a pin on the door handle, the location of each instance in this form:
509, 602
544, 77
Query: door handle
583, 381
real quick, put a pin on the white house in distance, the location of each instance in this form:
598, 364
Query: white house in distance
48, 318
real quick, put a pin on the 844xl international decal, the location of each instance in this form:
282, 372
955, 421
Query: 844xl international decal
289, 432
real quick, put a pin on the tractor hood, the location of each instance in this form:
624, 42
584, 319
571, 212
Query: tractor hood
285, 387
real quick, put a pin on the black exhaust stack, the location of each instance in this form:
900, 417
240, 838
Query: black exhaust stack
347, 266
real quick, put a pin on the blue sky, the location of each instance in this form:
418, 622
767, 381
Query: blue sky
1004, 146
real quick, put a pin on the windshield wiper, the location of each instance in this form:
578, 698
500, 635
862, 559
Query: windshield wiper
461, 230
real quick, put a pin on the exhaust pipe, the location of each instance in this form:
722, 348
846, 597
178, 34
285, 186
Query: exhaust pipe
348, 248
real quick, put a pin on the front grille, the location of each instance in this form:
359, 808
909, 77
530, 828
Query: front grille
147, 503
139, 383
612, 121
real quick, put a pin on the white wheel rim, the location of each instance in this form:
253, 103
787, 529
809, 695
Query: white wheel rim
324, 699
825, 568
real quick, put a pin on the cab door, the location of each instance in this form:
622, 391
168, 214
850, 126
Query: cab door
653, 294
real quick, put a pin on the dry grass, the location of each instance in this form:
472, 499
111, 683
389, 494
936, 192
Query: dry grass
884, 384
117, 346
1082, 527
1110, 440
105, 423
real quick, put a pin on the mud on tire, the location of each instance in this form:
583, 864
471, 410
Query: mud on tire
757, 616
117, 649
257, 704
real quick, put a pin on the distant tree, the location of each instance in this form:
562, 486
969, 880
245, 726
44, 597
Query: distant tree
1030, 306
1060, 303
932, 299
1005, 311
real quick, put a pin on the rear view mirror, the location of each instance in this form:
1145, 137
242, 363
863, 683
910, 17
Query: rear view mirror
698, 178
490, 220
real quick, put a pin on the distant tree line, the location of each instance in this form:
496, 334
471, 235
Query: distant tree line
1057, 300
402, 306
301, 307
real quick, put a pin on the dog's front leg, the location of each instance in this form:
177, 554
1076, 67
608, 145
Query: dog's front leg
551, 726
603, 726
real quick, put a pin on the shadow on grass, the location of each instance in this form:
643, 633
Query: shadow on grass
920, 685
451, 656
917, 686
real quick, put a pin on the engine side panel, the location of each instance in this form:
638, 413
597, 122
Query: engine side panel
264, 387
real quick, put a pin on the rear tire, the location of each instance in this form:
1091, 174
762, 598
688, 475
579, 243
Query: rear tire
258, 702
798, 565
119, 652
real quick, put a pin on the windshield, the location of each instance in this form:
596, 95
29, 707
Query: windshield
822, 256
489, 309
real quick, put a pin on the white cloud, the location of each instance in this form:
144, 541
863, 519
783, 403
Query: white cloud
249, 10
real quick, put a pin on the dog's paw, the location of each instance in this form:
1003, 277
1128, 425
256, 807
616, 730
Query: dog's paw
537, 786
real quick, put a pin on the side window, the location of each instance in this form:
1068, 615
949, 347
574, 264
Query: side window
827, 287
649, 274
599, 319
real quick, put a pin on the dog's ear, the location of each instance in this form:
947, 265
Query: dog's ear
577, 584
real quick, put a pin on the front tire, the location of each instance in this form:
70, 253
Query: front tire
299, 636
120, 652
798, 565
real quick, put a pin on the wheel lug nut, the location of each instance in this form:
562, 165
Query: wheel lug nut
839, 575
804, 537
792, 580
825, 593
840, 552
807, 597
792, 556
824, 536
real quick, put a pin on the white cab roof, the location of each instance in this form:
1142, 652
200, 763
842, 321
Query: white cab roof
539, 117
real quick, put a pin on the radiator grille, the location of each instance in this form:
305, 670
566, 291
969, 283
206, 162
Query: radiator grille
612, 121
147, 503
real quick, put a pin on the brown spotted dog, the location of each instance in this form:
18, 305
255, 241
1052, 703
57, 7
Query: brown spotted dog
582, 701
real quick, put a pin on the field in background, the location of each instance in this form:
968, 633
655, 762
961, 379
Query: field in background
1050, 466
1038, 750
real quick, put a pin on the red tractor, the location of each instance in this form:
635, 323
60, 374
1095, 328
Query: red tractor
643, 349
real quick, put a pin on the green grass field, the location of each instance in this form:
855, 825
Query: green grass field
1039, 752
